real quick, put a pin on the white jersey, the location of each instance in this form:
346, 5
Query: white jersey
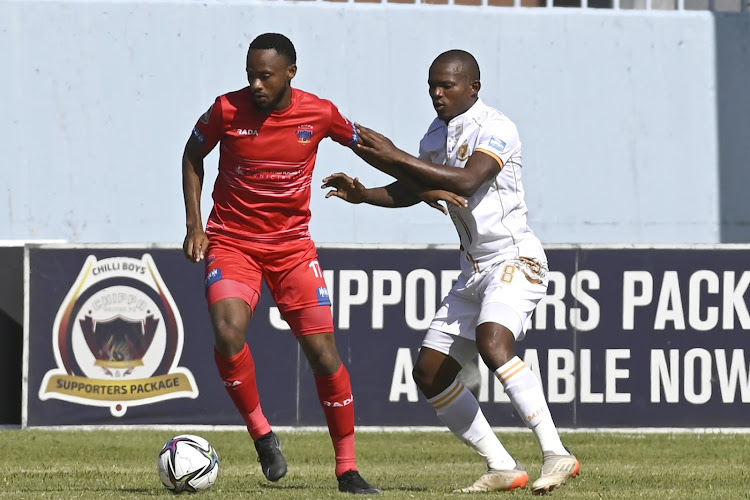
493, 227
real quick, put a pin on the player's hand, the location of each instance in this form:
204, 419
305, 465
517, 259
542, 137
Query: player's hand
344, 187
195, 244
435, 196
377, 145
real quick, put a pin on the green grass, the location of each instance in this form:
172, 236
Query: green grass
97, 465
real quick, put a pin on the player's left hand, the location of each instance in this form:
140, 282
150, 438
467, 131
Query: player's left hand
376, 144
344, 187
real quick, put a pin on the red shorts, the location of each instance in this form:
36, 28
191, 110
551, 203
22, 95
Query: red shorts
290, 269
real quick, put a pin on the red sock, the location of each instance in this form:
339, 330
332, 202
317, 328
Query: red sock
238, 374
335, 393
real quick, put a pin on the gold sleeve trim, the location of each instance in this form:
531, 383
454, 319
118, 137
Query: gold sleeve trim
492, 154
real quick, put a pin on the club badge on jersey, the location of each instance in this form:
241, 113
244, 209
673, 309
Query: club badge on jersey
463, 152
304, 133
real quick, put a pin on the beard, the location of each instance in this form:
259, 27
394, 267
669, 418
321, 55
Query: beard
268, 105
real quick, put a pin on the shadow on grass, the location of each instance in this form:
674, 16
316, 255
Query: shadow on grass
294, 487
412, 489
285, 487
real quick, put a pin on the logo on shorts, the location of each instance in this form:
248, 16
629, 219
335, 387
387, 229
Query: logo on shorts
213, 276
323, 298
117, 339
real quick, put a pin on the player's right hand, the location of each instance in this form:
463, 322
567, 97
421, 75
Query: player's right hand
433, 198
195, 244
344, 187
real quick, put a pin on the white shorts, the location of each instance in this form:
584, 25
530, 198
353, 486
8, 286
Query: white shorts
506, 293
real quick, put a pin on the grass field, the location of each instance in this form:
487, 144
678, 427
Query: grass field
96, 465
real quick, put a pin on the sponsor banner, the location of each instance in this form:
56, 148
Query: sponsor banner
625, 337
117, 338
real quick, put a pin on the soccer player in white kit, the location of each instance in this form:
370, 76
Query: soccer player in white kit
474, 151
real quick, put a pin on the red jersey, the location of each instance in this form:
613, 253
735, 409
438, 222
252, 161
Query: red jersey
262, 192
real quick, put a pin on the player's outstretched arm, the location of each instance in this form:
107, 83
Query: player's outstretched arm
394, 195
407, 191
353, 191
196, 241
380, 152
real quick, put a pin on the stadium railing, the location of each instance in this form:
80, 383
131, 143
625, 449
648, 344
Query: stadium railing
729, 6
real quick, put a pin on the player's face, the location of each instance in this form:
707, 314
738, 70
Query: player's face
269, 75
451, 90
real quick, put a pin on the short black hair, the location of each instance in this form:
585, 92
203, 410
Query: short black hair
278, 42
469, 65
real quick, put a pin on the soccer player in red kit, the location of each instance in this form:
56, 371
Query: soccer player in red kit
268, 134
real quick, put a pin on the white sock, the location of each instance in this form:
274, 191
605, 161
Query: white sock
459, 410
527, 396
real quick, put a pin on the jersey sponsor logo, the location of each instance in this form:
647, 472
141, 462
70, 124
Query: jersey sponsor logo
304, 133
199, 135
246, 131
269, 174
463, 152
324, 299
213, 277
497, 144
205, 117
117, 339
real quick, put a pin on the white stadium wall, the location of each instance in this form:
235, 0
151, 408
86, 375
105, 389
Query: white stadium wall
625, 138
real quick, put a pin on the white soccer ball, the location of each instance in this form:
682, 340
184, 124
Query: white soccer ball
188, 463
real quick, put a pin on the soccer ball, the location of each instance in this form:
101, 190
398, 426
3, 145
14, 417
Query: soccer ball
188, 463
